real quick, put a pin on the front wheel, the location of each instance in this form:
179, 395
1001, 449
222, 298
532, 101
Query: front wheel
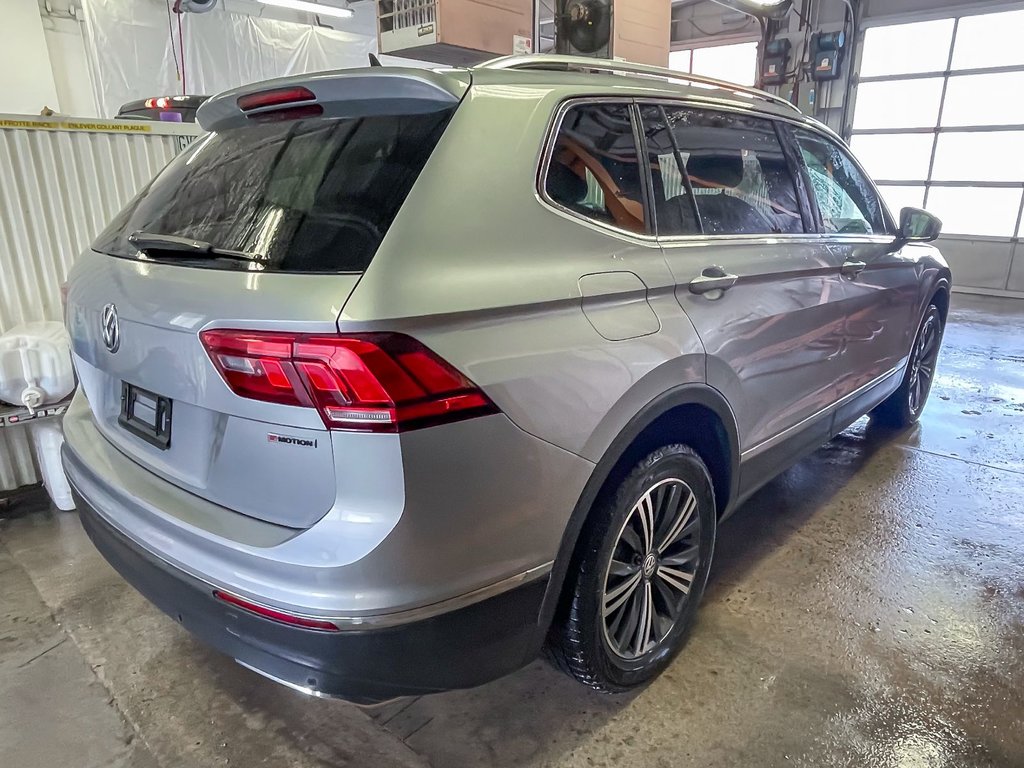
904, 406
639, 573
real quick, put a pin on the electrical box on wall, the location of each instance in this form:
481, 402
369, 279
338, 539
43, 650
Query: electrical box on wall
807, 102
827, 50
776, 62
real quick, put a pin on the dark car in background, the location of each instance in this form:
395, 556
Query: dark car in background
173, 109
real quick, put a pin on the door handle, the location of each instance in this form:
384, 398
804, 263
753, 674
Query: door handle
852, 268
712, 279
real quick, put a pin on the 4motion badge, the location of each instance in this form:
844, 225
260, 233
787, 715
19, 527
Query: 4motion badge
302, 442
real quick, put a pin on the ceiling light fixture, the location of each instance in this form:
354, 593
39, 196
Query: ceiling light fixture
308, 7
765, 9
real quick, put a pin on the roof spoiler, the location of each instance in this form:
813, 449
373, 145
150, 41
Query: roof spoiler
339, 93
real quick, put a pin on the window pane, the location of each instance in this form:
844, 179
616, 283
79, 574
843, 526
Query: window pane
997, 156
985, 100
899, 197
681, 61
895, 156
673, 206
903, 49
594, 171
313, 195
735, 63
992, 40
737, 169
898, 104
976, 211
847, 201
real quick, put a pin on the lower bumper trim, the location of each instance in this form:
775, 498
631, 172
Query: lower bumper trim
459, 649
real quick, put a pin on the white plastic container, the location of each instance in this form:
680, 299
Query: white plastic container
35, 365
36, 370
47, 438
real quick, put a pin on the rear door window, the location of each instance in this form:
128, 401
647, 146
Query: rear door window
313, 195
594, 167
846, 199
719, 173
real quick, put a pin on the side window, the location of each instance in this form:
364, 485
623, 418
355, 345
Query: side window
594, 169
719, 173
846, 199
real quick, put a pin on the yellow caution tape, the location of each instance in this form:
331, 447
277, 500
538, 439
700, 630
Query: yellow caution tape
76, 125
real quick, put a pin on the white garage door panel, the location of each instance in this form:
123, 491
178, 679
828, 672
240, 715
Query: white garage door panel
977, 263
60, 182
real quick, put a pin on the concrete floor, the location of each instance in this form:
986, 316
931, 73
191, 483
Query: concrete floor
865, 609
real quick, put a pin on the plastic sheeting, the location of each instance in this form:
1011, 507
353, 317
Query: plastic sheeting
131, 54
61, 181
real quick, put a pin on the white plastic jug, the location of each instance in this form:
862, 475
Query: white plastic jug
35, 370
47, 438
35, 365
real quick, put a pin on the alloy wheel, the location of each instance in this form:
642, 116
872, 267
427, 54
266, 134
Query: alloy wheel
926, 354
651, 570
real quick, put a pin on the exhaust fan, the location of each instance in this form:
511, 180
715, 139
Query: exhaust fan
584, 27
631, 30
763, 9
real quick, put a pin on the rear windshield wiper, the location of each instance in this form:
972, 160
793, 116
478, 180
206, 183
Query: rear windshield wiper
171, 246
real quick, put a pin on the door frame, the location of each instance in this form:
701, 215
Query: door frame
814, 428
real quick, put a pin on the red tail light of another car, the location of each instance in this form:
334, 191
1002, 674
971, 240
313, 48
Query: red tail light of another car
374, 382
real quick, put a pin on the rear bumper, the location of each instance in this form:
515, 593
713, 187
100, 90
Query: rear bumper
459, 649
480, 507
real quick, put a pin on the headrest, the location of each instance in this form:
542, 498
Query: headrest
726, 170
563, 185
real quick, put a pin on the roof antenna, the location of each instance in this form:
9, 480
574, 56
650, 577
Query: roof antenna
374, 61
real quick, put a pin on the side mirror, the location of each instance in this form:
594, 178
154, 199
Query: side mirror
918, 226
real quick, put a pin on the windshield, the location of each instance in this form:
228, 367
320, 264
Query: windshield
312, 195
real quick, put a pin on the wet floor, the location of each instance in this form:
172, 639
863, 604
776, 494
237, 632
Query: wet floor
864, 609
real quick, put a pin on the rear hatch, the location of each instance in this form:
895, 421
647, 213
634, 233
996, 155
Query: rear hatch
266, 224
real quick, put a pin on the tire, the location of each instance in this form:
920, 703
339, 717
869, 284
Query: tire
603, 652
904, 406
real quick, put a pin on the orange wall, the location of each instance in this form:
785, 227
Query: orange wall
641, 31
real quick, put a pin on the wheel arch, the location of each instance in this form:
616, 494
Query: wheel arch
940, 296
694, 414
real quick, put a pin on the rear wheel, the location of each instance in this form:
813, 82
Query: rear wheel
904, 406
640, 572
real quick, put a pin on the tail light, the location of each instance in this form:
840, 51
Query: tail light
373, 382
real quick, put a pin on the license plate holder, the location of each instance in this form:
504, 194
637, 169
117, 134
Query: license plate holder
146, 414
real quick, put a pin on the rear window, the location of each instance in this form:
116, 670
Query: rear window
312, 195
594, 169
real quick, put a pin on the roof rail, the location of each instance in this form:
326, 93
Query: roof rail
553, 62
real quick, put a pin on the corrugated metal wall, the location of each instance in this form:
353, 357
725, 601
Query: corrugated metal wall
61, 180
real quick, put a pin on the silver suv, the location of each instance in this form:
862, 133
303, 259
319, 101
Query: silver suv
398, 375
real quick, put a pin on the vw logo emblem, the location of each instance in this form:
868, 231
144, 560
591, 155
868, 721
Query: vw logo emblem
650, 565
110, 328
